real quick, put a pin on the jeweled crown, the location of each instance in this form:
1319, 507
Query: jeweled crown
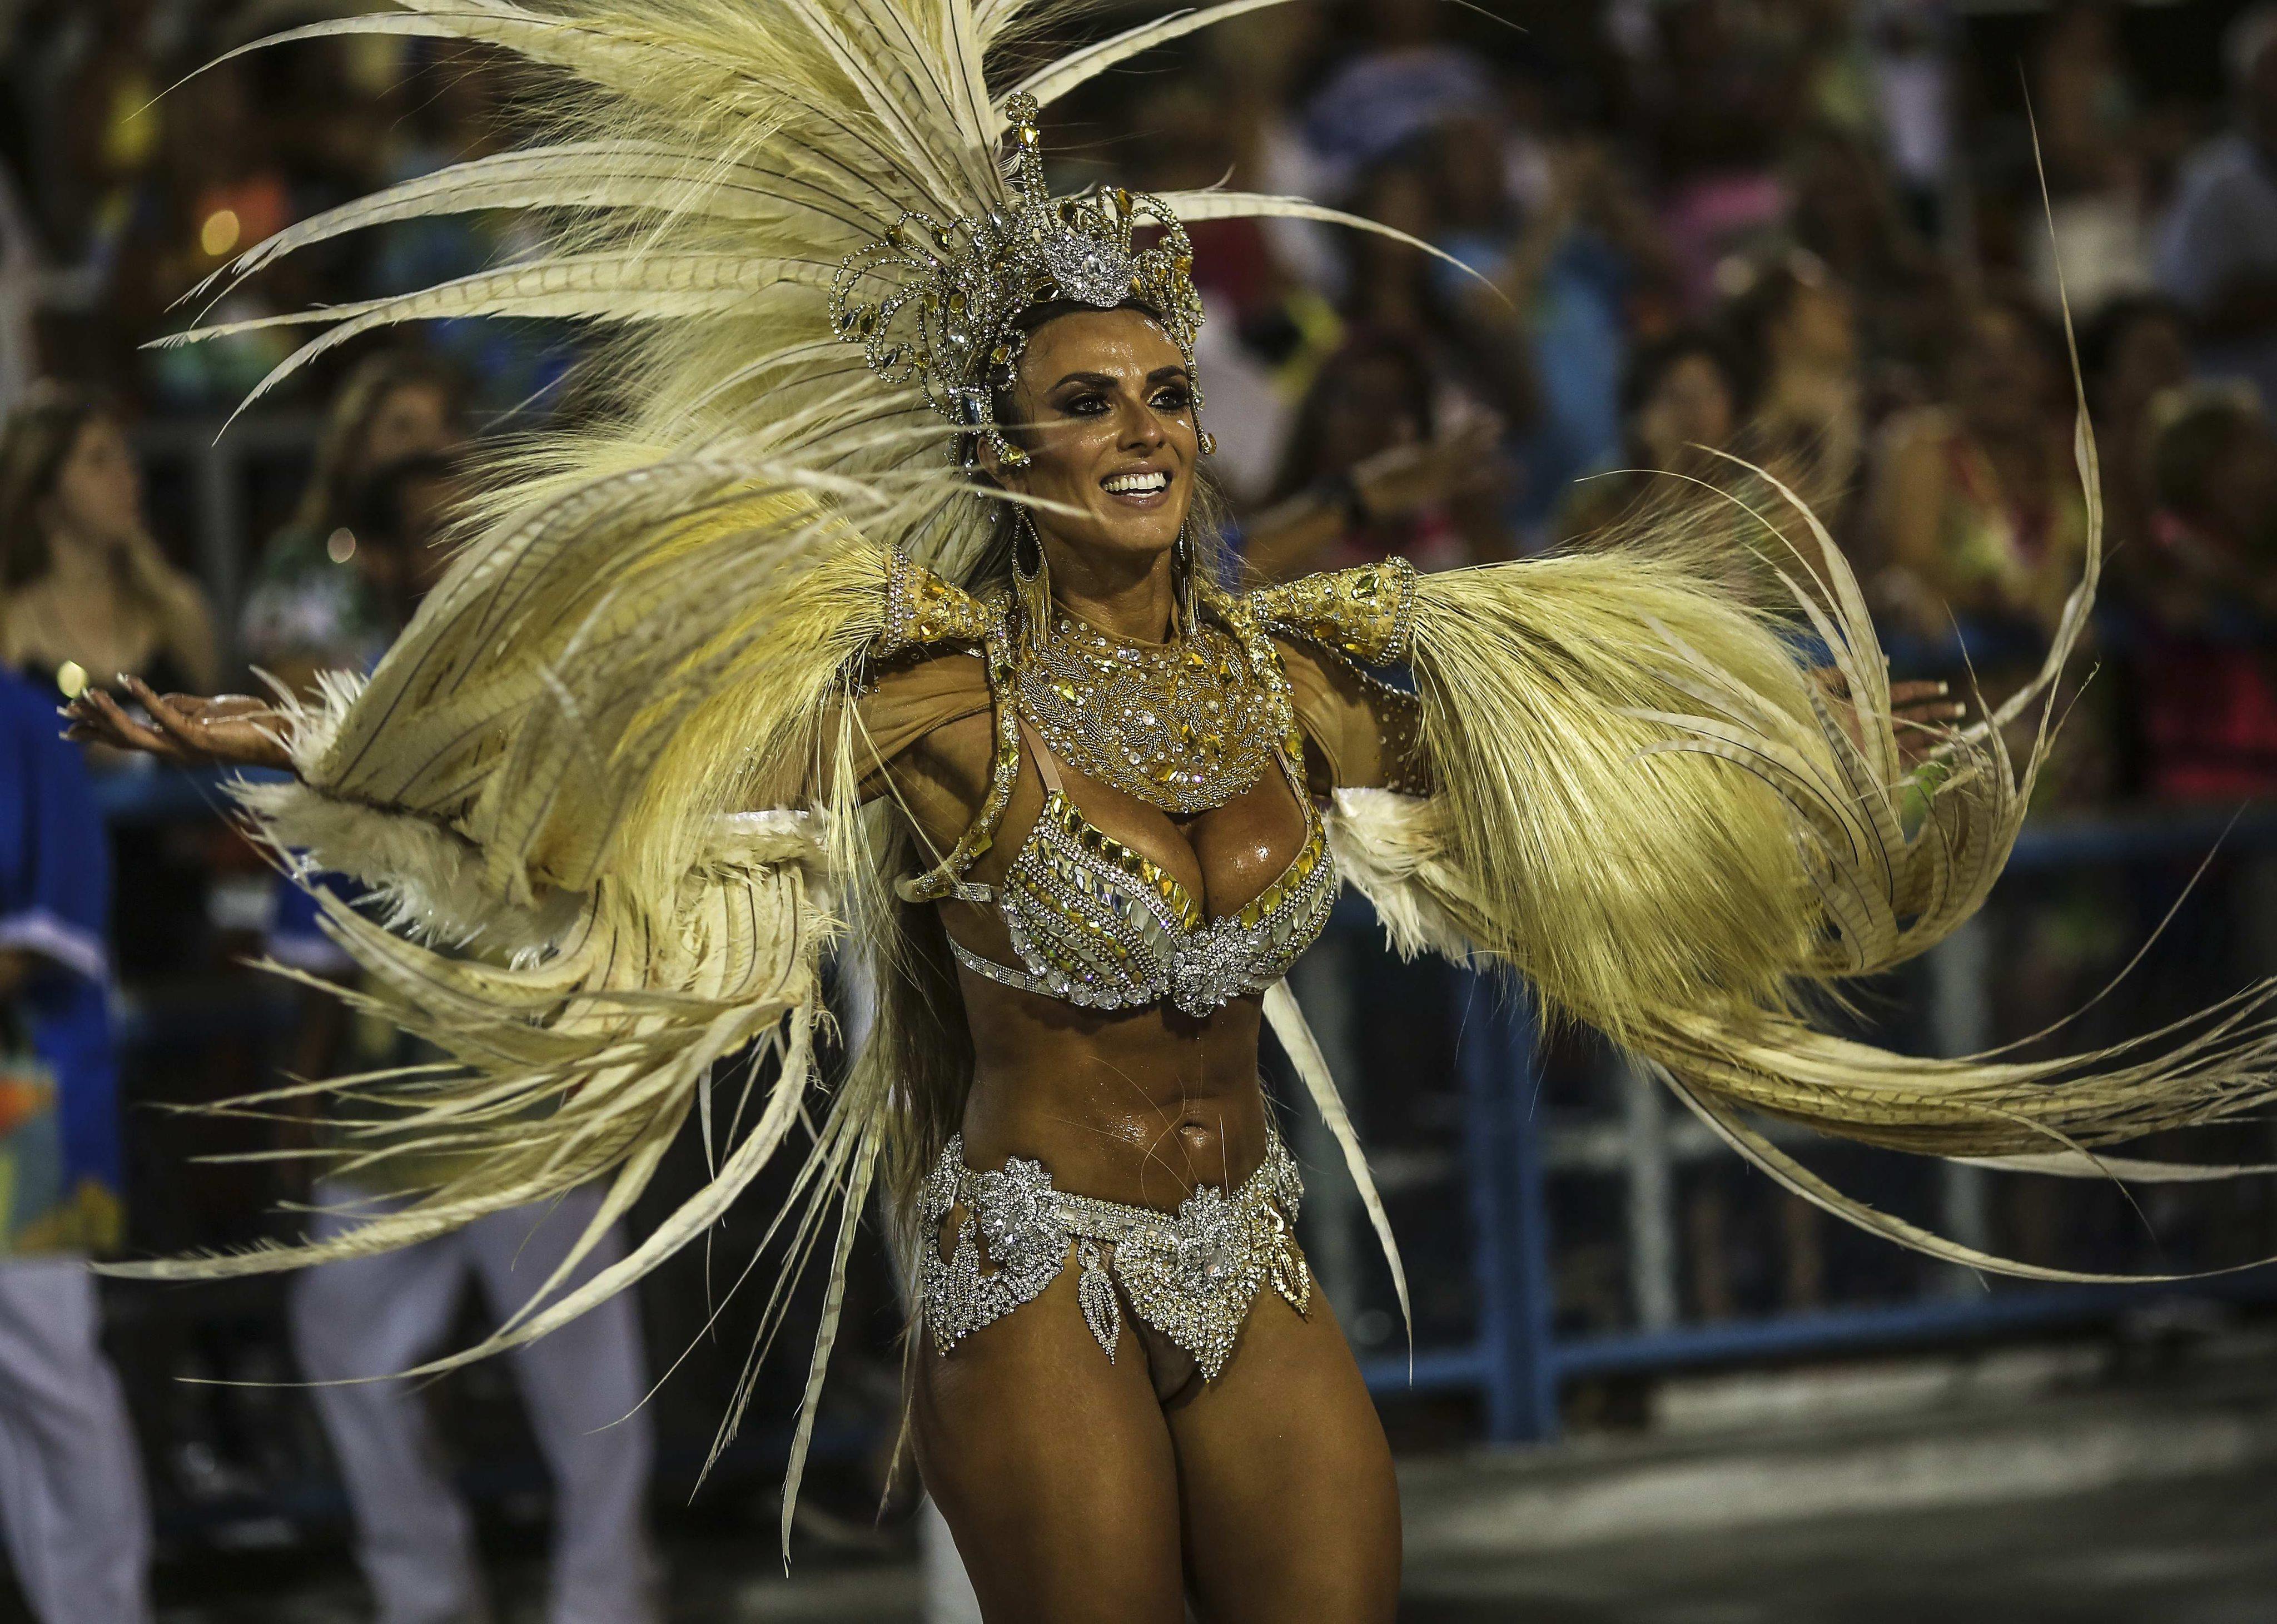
939, 304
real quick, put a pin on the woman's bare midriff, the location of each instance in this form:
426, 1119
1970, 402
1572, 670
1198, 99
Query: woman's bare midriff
1140, 1107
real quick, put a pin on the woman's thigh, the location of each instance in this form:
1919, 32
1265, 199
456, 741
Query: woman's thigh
1291, 1510
1053, 1468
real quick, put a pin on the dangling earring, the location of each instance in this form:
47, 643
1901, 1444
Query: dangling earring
1182, 586
1031, 577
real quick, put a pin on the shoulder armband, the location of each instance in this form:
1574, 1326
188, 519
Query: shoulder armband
923, 610
1365, 612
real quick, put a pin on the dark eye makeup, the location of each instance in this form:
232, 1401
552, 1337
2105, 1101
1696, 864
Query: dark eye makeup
1176, 397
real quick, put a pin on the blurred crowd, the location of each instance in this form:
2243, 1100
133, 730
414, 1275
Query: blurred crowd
1707, 262
1806, 233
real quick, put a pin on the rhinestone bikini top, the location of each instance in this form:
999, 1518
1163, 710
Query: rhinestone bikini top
1099, 924
1093, 921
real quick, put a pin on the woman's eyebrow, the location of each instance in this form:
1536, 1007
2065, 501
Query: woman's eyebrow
1103, 380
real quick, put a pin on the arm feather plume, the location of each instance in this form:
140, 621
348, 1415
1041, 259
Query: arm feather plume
1644, 805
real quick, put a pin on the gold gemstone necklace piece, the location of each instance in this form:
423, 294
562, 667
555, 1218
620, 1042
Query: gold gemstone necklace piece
1184, 725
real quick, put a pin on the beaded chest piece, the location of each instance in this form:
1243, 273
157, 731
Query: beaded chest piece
1094, 922
1185, 725
1102, 926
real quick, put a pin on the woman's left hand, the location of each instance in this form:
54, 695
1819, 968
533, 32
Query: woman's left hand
185, 729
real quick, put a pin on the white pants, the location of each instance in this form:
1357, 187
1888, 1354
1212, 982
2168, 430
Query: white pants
948, 1594
71, 1483
373, 1316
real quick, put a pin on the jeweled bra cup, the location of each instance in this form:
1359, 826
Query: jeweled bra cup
1100, 926
1191, 1275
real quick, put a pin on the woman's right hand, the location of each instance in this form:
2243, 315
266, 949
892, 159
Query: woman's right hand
186, 729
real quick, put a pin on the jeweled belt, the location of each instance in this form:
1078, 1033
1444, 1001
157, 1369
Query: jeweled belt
1190, 1274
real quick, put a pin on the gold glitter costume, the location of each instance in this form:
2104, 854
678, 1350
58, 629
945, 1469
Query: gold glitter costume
615, 785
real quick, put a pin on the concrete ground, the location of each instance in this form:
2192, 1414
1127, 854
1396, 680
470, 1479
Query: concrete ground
2007, 1487
2202, 1551
2199, 1551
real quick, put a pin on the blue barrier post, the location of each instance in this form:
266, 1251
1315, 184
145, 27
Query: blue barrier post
1509, 1217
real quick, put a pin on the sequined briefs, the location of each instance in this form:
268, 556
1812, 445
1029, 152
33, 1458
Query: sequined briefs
1192, 1274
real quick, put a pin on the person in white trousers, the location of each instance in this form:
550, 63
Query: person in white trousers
71, 1507
374, 1316
71, 1483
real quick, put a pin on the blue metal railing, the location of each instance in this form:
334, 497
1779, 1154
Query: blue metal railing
1516, 1360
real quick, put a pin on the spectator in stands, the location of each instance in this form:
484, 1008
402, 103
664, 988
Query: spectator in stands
1848, 213
1976, 498
218, 187
2218, 249
1370, 471
1722, 96
328, 597
85, 592
1917, 99
1679, 395
1797, 325
1584, 256
1407, 79
2136, 350
2204, 661
372, 1317
71, 1504
1474, 354
2087, 118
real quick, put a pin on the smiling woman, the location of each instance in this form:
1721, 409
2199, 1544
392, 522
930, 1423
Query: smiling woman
929, 663
1103, 409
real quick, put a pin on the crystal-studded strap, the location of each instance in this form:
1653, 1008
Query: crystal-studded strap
1022, 979
1120, 1224
947, 881
951, 1183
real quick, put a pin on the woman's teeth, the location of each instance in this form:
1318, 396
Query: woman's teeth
1135, 485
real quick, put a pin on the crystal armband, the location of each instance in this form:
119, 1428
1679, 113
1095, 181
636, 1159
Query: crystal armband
1364, 613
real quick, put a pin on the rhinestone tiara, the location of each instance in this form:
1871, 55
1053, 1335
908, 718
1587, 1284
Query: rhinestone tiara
939, 304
